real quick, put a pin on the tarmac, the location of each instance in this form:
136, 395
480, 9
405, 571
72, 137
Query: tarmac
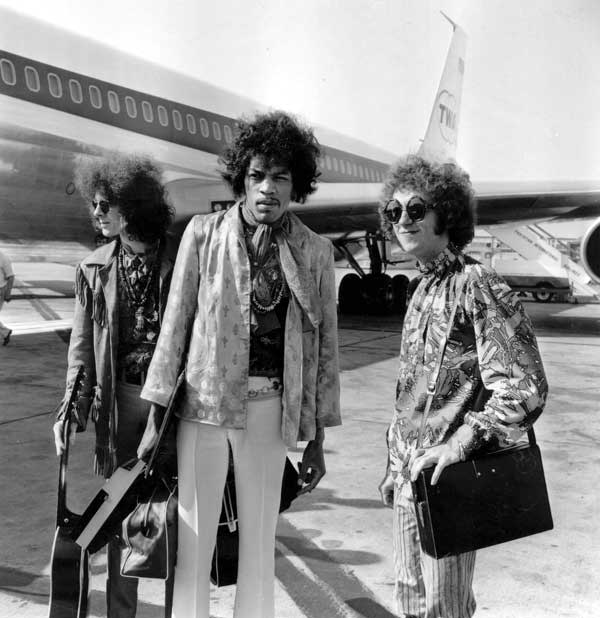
333, 551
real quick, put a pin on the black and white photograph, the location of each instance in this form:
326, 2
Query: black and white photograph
299, 309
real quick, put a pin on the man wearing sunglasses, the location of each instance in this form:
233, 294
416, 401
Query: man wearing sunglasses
429, 208
121, 291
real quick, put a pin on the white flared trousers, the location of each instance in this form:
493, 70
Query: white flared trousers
203, 456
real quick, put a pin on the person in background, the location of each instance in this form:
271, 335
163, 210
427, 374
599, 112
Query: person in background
7, 278
429, 208
121, 291
252, 316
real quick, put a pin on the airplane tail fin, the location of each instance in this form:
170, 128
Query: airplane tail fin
441, 136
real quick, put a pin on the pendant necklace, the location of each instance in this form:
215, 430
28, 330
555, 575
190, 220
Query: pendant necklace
137, 301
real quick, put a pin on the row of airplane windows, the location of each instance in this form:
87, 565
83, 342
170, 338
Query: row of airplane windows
8, 74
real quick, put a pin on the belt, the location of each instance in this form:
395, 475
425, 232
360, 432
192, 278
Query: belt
260, 387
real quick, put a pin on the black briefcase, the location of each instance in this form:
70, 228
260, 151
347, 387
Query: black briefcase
483, 501
224, 567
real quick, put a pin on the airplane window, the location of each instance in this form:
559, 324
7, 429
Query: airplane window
163, 116
55, 85
147, 111
95, 97
216, 130
204, 127
32, 79
75, 90
7, 70
177, 121
227, 133
191, 123
113, 102
131, 107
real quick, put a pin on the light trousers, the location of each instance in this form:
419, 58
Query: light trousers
426, 587
203, 457
3, 329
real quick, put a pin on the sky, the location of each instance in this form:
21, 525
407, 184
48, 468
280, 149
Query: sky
370, 68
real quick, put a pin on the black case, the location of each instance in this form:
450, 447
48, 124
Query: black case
484, 501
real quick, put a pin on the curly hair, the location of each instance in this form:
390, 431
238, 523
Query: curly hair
279, 139
445, 185
131, 182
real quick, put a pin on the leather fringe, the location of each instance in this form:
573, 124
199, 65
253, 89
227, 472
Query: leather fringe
105, 461
93, 302
99, 308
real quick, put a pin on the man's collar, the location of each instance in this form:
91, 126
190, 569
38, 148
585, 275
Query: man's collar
439, 265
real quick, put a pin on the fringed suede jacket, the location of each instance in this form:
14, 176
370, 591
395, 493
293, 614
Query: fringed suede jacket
94, 344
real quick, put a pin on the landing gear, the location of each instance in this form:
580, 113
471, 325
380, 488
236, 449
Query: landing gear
350, 298
400, 291
374, 293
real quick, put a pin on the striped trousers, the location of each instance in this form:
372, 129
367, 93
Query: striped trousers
426, 587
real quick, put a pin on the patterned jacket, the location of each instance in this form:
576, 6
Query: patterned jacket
491, 341
208, 314
94, 344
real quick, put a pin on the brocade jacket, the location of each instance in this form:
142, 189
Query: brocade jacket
206, 328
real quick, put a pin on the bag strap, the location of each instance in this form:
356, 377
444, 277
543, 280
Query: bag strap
433, 378
432, 383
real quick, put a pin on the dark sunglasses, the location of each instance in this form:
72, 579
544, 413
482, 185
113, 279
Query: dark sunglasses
415, 209
104, 206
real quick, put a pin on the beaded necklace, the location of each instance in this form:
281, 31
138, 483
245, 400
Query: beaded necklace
268, 283
137, 301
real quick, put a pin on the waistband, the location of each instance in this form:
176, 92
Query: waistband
260, 387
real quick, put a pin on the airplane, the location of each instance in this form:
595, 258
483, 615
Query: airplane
62, 95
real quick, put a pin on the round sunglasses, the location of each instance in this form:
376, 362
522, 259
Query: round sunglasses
415, 209
104, 206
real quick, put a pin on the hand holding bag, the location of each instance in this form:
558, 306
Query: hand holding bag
491, 498
149, 532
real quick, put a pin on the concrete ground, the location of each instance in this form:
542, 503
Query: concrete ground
333, 545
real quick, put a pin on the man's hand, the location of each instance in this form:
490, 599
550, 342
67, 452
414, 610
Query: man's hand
443, 455
151, 432
59, 443
312, 468
386, 489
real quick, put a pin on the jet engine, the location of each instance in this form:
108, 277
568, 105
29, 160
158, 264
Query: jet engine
590, 251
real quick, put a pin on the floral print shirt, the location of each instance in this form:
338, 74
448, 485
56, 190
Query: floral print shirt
491, 340
139, 323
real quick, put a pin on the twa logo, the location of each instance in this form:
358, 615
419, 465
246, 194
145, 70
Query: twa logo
446, 106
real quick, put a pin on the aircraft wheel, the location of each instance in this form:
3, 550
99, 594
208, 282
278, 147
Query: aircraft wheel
543, 296
350, 294
379, 294
400, 288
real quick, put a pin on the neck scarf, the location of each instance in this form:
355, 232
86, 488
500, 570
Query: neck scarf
291, 257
